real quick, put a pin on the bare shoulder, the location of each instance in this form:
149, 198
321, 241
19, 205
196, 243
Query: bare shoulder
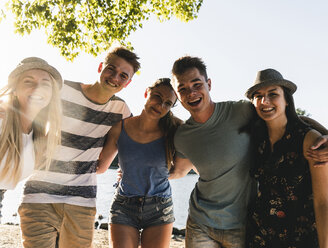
130, 124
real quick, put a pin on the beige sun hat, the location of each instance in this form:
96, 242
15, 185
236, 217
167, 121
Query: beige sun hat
35, 63
270, 77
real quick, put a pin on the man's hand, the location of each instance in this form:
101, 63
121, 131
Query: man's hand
119, 176
319, 151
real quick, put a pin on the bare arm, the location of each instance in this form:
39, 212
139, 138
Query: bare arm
315, 125
109, 150
318, 151
320, 191
181, 168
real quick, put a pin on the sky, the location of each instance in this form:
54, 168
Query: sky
235, 38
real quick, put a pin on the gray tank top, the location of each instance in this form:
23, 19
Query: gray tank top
144, 167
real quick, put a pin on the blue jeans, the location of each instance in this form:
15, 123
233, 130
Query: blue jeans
141, 212
198, 236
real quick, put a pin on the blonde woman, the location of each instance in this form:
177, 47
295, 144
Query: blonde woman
30, 128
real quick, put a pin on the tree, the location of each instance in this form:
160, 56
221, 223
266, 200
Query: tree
303, 112
93, 25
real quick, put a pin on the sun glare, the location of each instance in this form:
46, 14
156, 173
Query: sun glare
47, 127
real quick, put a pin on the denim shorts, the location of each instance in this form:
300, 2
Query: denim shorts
141, 212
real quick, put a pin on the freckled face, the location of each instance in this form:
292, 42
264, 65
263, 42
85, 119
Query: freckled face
270, 103
34, 90
193, 90
159, 101
116, 74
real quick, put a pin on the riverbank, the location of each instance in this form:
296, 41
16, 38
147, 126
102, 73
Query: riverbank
10, 238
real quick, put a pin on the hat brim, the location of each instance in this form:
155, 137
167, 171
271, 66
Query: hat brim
284, 83
36, 65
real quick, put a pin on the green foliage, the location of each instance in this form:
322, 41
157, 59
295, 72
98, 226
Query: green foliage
93, 25
303, 112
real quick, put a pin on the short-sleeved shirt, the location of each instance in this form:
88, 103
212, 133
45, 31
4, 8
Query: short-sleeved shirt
72, 175
221, 154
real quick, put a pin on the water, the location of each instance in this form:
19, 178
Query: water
181, 189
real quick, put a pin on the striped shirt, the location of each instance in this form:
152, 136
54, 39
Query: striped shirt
72, 175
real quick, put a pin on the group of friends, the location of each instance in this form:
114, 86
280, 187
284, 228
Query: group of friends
263, 170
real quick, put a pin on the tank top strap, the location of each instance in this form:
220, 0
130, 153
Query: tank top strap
123, 132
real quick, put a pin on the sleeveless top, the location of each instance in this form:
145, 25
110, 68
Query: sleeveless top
27, 160
144, 167
283, 213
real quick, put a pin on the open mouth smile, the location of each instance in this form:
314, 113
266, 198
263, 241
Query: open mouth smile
195, 102
36, 98
111, 84
267, 110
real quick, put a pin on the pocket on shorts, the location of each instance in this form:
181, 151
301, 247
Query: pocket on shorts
118, 199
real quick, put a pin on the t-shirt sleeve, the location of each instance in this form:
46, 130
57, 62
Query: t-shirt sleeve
245, 109
176, 145
126, 113
179, 154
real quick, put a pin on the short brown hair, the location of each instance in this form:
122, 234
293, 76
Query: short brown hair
185, 63
125, 54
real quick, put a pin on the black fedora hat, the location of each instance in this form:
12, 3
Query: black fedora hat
269, 77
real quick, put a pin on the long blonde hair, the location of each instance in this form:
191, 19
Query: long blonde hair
46, 133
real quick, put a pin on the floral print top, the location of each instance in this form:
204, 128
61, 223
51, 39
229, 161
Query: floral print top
282, 214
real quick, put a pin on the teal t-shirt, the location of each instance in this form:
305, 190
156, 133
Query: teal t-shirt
221, 155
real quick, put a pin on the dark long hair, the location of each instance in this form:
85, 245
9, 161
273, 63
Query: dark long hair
168, 124
257, 128
290, 112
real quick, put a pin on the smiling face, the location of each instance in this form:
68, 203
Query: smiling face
33, 91
193, 91
116, 74
270, 103
160, 100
